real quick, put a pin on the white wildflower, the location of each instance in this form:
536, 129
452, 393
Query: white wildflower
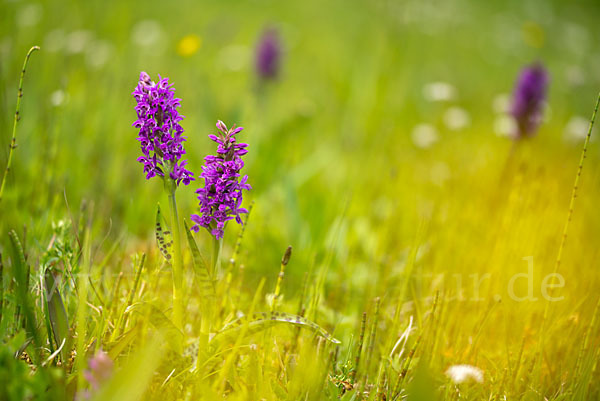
464, 373
439, 91
424, 135
456, 118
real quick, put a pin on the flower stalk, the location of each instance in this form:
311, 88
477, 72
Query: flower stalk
209, 306
177, 259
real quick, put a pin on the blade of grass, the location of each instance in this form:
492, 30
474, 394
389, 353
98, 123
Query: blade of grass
22, 288
123, 318
219, 385
57, 315
201, 268
122, 342
159, 320
82, 308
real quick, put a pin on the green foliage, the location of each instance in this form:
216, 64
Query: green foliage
18, 382
172, 334
338, 171
203, 272
57, 315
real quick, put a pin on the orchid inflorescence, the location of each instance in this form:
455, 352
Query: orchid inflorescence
160, 134
222, 195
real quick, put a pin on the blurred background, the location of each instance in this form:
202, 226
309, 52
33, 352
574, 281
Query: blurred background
386, 124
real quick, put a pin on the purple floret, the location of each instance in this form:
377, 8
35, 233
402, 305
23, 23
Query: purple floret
221, 198
160, 134
268, 55
528, 99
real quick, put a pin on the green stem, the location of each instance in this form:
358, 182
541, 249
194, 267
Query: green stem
216, 256
209, 306
170, 187
13, 141
205, 321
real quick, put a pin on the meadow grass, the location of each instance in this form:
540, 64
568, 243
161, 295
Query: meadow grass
406, 258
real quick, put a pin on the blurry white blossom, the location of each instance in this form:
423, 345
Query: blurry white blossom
456, 118
57, 97
439, 91
464, 373
505, 125
424, 135
576, 129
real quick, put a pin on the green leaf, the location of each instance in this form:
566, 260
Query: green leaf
21, 276
263, 320
164, 239
173, 335
201, 268
57, 314
116, 347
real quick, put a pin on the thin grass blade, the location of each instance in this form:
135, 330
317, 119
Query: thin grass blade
263, 320
201, 268
159, 320
57, 315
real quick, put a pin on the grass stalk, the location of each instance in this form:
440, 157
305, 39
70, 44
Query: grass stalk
575, 188
284, 261
361, 338
82, 310
372, 334
563, 240
13, 140
131, 296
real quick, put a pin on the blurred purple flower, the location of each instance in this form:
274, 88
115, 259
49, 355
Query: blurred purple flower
268, 54
221, 197
528, 99
160, 134
100, 369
